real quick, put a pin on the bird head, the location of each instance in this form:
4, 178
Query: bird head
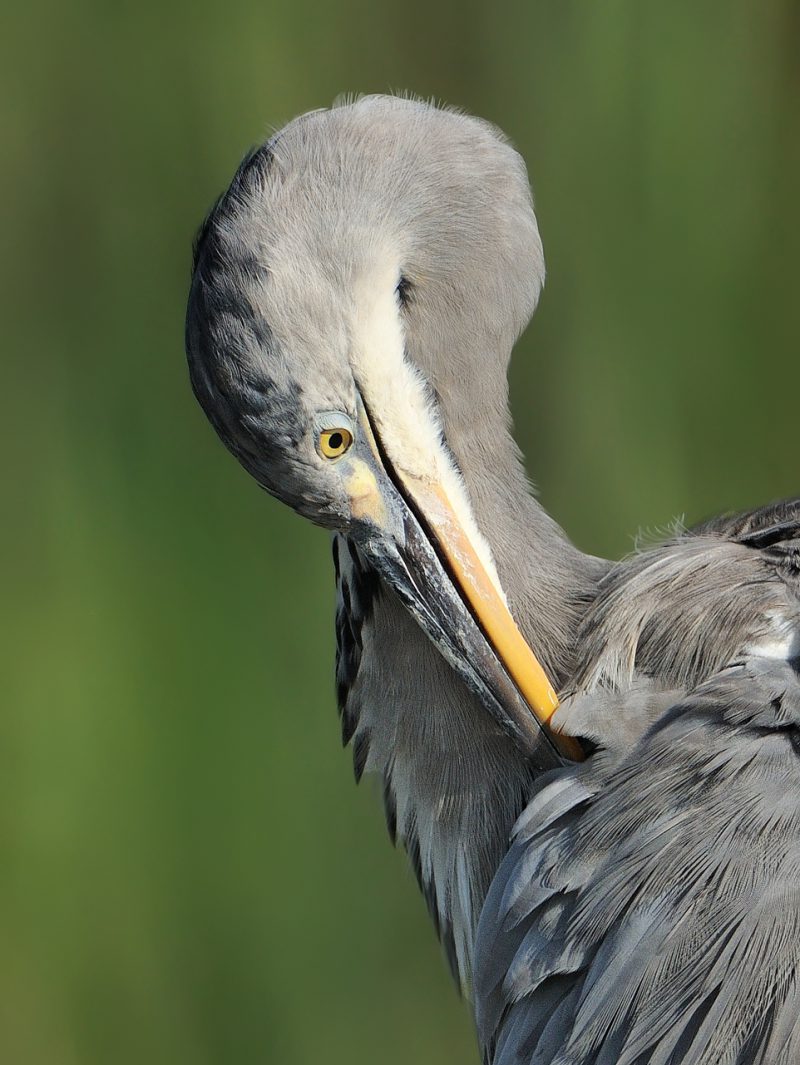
355, 296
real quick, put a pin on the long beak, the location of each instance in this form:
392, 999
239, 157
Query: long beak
413, 535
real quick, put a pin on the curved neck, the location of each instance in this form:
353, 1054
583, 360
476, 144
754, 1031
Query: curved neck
547, 580
454, 782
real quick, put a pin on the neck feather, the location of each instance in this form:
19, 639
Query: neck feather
453, 782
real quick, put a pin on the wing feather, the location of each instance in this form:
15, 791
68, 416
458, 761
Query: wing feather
648, 911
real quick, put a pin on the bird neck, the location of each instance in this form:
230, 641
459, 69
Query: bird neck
548, 582
453, 781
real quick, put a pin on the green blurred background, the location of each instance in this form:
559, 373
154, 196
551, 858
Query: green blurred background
187, 873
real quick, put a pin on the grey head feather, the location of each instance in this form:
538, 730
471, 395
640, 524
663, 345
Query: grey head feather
333, 195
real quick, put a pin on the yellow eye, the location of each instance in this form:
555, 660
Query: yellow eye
334, 442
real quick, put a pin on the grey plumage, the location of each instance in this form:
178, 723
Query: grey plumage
682, 609
452, 783
648, 911
649, 907
269, 329
367, 273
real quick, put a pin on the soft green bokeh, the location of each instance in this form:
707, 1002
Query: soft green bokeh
188, 873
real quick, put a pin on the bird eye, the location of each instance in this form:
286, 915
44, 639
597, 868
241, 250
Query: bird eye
334, 442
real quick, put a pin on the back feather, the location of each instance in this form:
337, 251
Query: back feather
651, 918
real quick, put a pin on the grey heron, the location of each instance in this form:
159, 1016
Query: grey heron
356, 294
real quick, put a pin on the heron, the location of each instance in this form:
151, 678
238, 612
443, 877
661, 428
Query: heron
592, 766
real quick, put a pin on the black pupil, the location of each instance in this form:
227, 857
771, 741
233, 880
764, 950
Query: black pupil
335, 440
